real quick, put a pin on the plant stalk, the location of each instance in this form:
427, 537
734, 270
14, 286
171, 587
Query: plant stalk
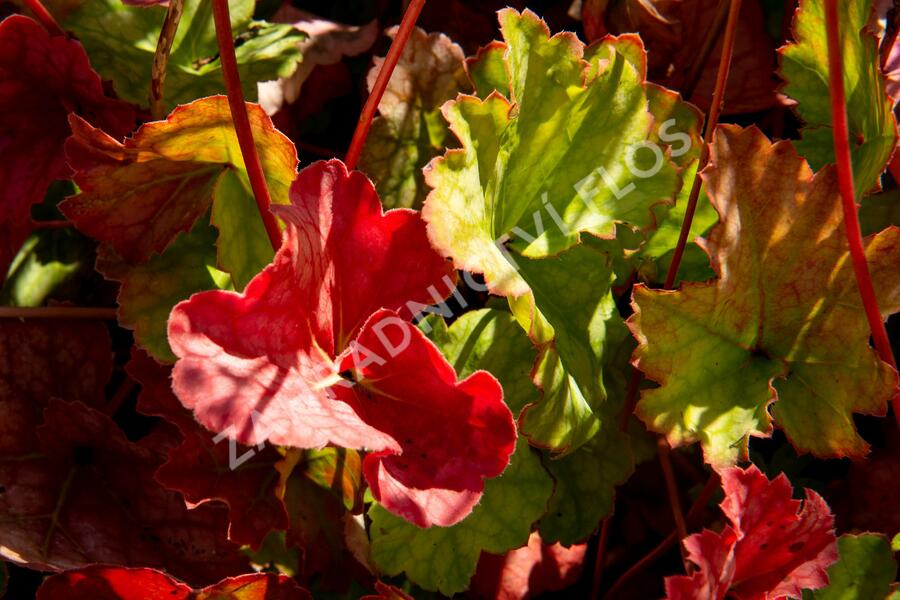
852, 230
161, 57
381, 82
241, 120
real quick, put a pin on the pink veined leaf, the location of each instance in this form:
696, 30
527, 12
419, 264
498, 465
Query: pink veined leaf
528, 571
98, 582
772, 548
278, 361
43, 79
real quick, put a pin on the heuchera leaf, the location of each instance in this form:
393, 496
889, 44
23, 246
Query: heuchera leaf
204, 469
327, 43
42, 79
85, 494
410, 131
387, 592
99, 582
768, 328
138, 195
530, 164
528, 571
804, 66
771, 549
121, 41
149, 290
866, 569
674, 33
444, 558
263, 365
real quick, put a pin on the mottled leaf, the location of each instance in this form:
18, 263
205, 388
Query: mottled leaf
768, 328
138, 195
410, 131
771, 549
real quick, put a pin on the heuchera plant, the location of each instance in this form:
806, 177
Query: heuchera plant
546, 329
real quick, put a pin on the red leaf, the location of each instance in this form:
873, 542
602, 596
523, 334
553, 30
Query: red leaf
203, 469
451, 435
772, 549
262, 365
528, 571
115, 583
42, 79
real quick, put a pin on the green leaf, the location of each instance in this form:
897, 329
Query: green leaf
491, 340
783, 322
586, 478
444, 558
570, 297
121, 41
410, 131
879, 211
149, 290
46, 262
804, 65
566, 153
864, 571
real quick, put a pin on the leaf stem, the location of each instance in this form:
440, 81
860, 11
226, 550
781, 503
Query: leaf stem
56, 312
225, 37
43, 15
161, 57
705, 494
665, 461
718, 99
384, 76
848, 194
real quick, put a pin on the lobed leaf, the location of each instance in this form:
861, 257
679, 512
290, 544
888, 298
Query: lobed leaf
865, 569
804, 66
137, 196
767, 328
121, 41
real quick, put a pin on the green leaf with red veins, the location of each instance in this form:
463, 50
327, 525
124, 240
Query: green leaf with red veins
121, 41
866, 569
804, 65
564, 154
410, 131
783, 322
149, 290
137, 196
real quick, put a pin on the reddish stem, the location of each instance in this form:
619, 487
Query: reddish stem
662, 449
705, 494
56, 312
718, 99
43, 15
848, 194
384, 75
600, 559
242, 128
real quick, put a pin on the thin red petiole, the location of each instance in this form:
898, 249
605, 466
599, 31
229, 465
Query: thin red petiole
225, 37
848, 194
43, 15
712, 120
384, 75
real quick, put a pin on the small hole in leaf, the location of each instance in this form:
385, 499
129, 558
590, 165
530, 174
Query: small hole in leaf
796, 546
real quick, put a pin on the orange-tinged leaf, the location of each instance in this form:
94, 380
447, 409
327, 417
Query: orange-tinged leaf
138, 195
783, 322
